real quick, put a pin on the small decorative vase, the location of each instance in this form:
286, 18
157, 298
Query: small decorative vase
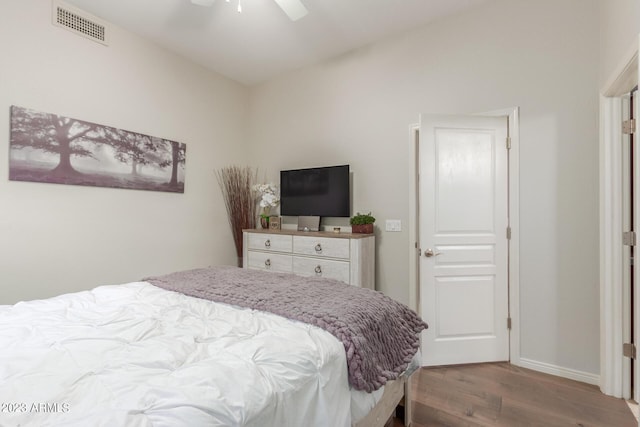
264, 222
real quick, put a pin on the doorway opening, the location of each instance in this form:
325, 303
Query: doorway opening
629, 171
616, 268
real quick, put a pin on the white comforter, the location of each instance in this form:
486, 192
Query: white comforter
137, 355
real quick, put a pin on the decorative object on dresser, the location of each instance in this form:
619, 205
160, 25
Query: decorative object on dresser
346, 257
268, 194
308, 223
274, 222
362, 223
236, 184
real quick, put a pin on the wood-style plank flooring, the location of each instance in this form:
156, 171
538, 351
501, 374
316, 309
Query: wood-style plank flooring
500, 394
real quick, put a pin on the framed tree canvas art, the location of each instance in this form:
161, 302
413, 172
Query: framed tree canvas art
45, 147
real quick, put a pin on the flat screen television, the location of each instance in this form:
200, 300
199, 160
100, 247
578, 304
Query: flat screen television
315, 192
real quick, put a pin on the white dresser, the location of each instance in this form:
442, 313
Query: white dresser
347, 257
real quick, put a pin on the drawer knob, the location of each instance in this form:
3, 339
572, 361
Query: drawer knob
267, 263
267, 244
318, 269
318, 248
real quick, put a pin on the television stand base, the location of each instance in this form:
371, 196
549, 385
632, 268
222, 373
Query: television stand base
308, 223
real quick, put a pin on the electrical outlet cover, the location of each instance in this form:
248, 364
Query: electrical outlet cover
393, 225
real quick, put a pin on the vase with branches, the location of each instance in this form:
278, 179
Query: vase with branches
236, 184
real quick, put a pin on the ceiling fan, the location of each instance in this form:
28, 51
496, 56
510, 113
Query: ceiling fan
293, 8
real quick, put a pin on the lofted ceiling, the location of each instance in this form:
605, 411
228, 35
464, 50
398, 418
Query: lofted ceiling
261, 42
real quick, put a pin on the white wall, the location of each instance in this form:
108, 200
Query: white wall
61, 238
619, 31
538, 55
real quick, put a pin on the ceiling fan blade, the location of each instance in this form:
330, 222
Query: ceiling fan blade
293, 8
203, 2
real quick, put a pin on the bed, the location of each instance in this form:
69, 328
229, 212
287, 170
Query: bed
183, 350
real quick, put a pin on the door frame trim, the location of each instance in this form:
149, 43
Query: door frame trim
614, 371
414, 236
513, 115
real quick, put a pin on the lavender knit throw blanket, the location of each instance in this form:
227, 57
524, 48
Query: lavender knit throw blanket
380, 336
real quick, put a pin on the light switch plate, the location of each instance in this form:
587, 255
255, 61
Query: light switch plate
393, 225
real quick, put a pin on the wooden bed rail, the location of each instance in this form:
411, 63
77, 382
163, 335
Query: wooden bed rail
394, 392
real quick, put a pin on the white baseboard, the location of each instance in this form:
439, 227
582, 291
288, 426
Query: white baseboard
559, 371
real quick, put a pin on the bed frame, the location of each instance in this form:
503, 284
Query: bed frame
394, 392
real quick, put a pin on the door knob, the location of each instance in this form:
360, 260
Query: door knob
429, 253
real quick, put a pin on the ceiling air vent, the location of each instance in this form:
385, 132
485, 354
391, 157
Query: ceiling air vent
79, 22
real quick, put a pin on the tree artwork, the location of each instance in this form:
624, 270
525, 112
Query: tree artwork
49, 148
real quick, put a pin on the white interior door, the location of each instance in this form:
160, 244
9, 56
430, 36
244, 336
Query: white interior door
463, 190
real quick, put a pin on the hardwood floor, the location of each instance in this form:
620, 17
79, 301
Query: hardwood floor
500, 394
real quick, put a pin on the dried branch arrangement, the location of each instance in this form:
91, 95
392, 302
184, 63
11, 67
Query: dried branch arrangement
237, 184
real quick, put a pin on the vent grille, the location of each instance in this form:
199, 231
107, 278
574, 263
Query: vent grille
79, 22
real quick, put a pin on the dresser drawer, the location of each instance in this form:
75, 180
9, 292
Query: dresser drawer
321, 246
317, 267
270, 262
270, 242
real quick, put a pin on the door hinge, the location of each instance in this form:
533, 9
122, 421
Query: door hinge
629, 238
508, 143
509, 323
508, 233
629, 126
629, 350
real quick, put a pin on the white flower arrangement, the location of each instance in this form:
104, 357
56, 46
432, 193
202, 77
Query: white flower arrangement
268, 196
